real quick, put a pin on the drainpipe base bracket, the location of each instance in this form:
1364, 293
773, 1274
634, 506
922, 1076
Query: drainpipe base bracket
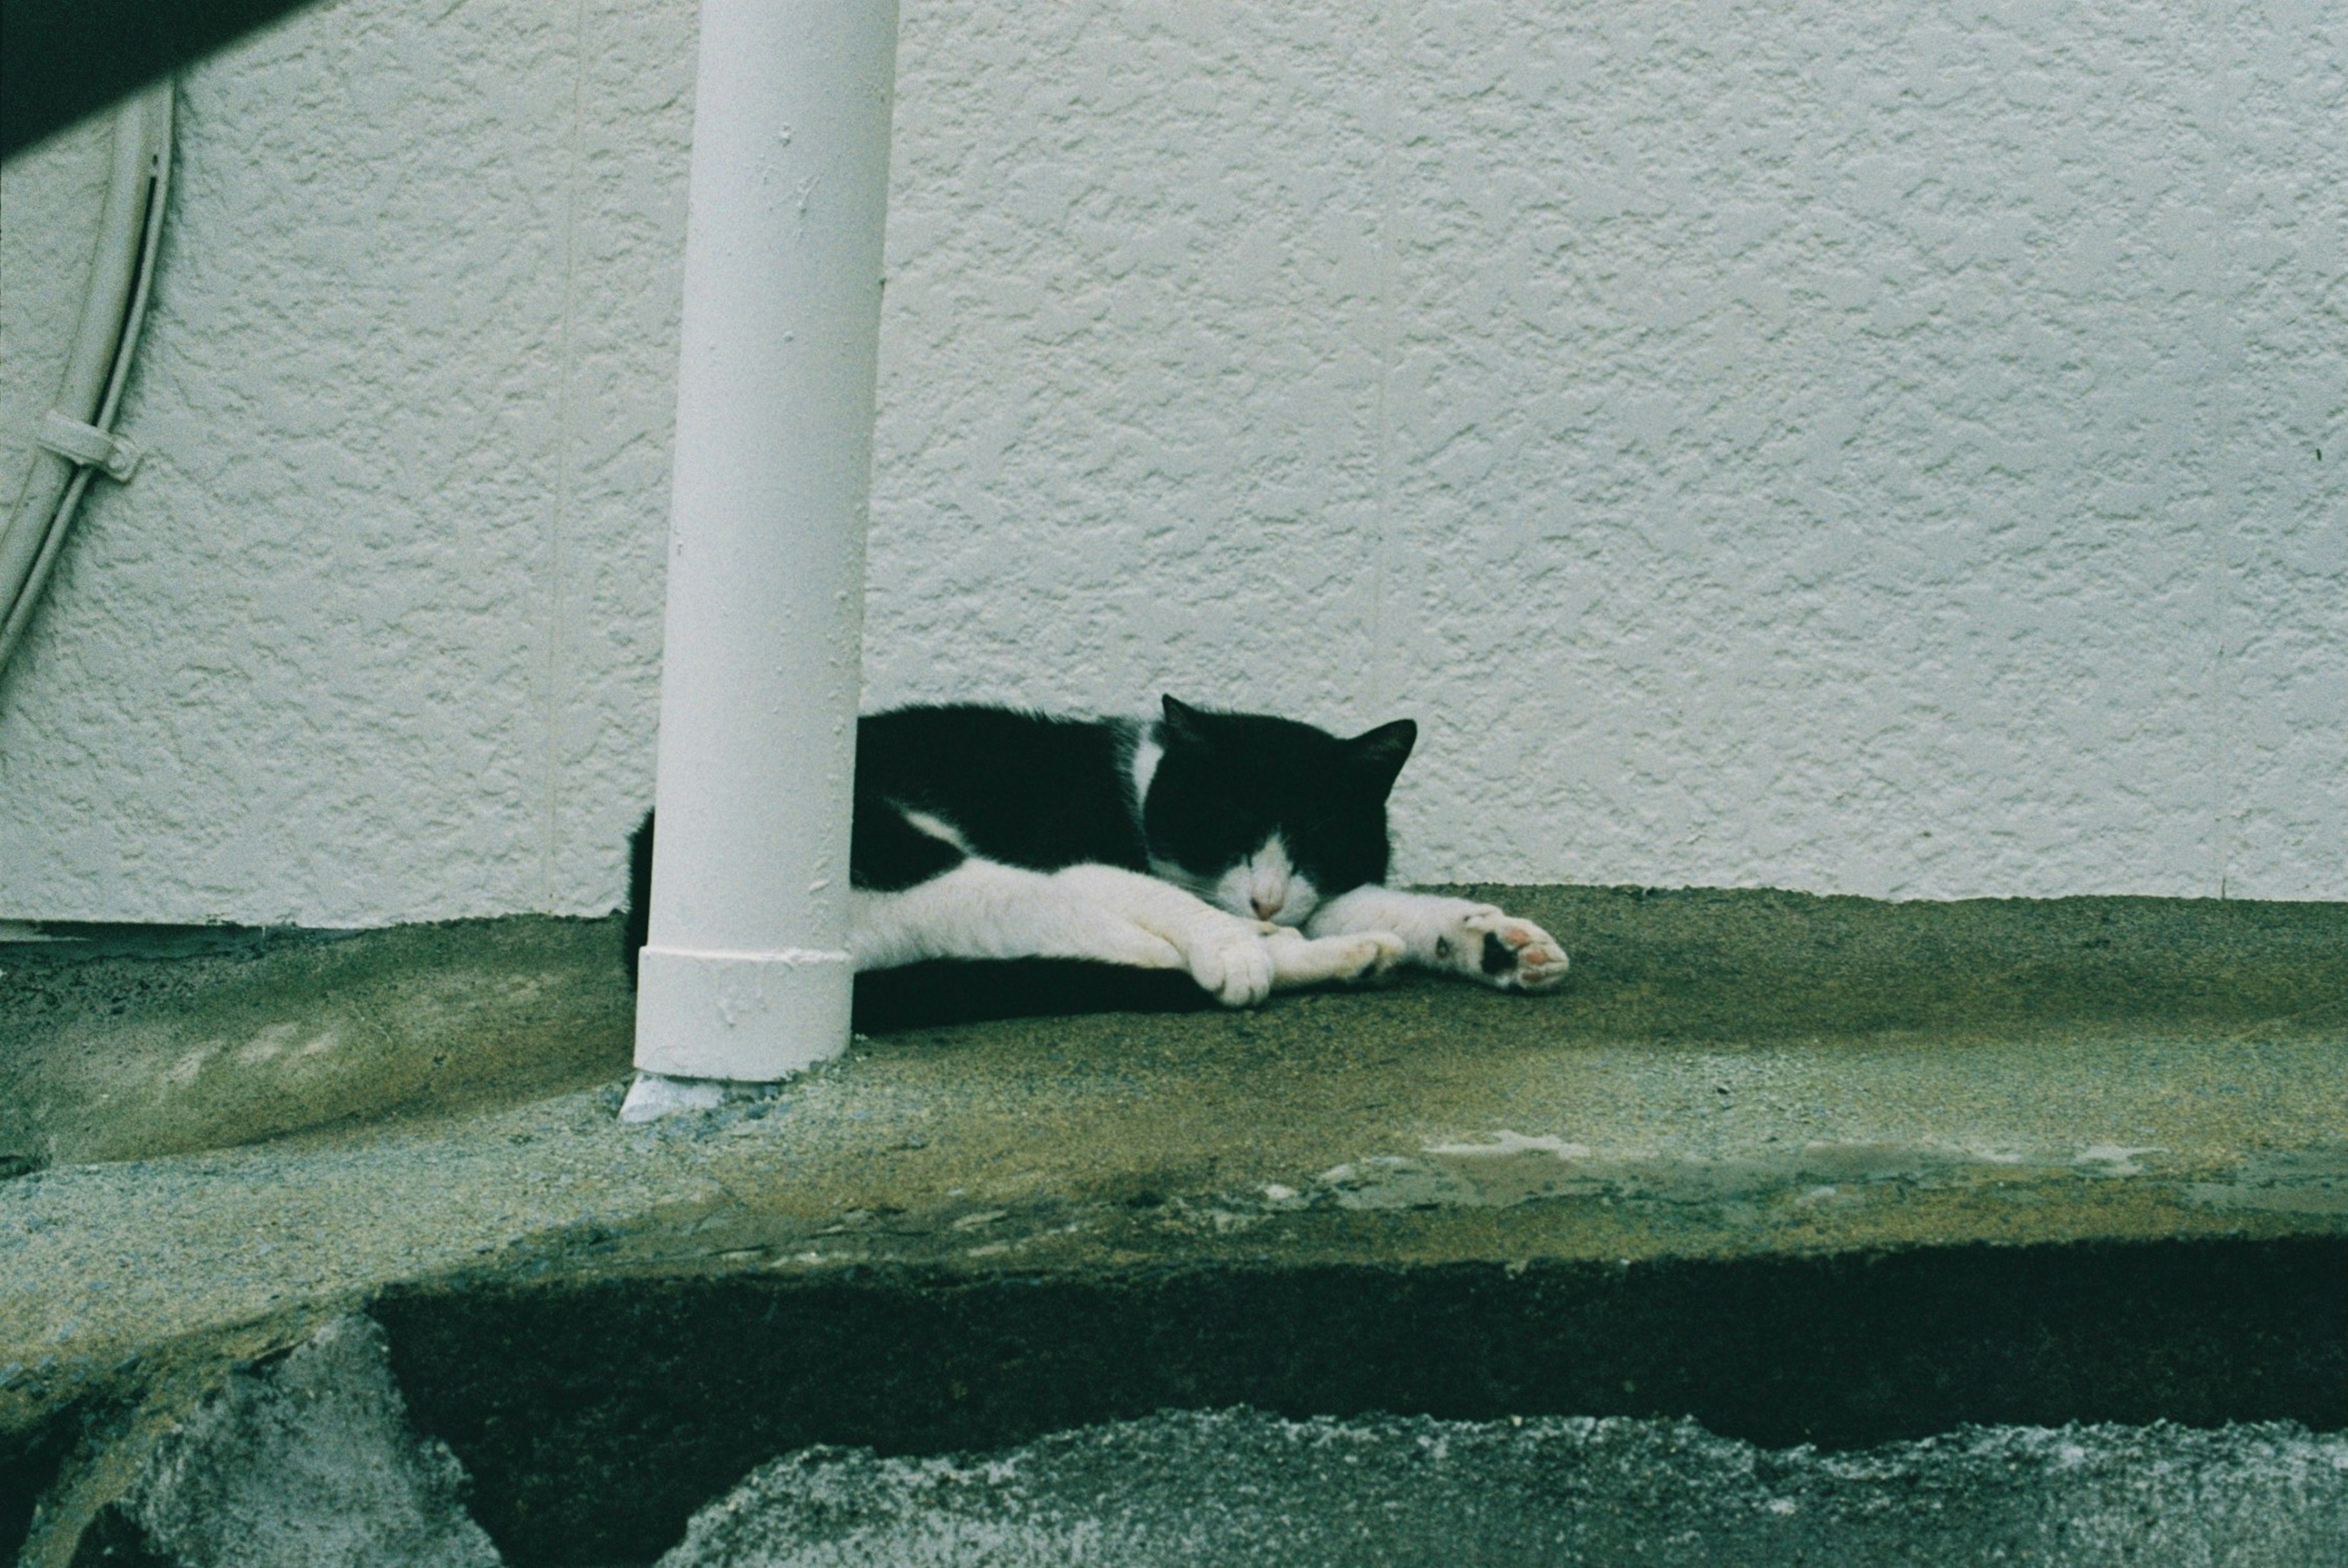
750, 1017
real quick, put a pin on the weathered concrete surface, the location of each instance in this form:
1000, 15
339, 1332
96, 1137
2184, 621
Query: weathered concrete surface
1240, 1487
120, 1044
596, 1417
307, 1461
310, 1459
1730, 1081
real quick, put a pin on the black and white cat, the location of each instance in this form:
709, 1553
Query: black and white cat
1247, 851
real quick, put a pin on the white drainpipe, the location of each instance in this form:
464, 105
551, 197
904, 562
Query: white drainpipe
747, 975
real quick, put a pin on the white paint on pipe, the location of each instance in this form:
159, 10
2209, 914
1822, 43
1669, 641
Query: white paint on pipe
747, 973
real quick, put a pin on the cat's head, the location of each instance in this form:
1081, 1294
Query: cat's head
1269, 817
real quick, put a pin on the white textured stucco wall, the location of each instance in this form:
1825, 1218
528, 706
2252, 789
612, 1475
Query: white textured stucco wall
374, 635
1860, 448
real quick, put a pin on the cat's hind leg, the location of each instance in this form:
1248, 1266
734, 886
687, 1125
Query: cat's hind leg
1480, 942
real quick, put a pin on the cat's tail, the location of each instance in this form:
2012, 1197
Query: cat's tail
636, 929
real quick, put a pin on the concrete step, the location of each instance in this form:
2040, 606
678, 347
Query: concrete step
1801, 1169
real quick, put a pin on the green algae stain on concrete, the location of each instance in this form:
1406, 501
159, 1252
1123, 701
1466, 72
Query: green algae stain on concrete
1828, 1051
1706, 965
124, 1044
123, 1056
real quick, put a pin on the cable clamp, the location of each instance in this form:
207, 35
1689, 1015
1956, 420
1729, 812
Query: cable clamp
70, 439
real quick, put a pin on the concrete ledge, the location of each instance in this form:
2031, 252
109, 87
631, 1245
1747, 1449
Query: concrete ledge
1802, 1167
123, 1043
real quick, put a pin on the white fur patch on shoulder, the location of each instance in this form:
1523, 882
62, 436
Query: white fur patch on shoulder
1146, 754
936, 827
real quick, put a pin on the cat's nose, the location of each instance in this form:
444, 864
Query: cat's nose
1265, 908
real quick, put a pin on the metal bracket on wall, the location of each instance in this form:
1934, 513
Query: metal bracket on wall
75, 442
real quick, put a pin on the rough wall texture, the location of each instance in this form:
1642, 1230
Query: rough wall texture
49, 208
1868, 450
374, 633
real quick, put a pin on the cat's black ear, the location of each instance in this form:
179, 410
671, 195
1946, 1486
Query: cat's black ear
1378, 754
1182, 723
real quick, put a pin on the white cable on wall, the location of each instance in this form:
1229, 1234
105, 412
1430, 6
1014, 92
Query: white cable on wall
77, 436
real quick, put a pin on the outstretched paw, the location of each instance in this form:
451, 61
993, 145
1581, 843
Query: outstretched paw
1501, 951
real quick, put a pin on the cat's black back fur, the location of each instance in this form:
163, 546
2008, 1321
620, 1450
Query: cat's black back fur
1022, 788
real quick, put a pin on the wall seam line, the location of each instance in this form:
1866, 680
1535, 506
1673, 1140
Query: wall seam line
1382, 546
551, 683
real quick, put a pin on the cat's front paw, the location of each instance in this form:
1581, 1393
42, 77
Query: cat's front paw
1499, 950
1233, 961
1300, 960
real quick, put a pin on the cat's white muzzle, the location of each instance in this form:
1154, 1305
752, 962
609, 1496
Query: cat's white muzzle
1267, 886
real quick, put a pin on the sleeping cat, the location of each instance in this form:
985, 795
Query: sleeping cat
1246, 852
